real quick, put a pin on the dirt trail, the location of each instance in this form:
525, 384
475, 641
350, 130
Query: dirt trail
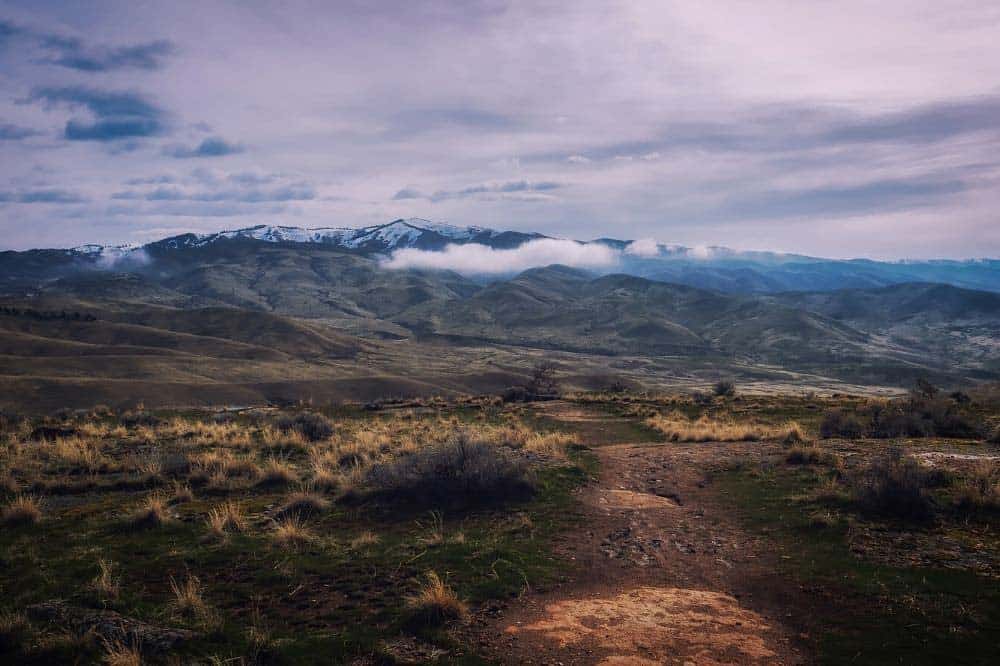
665, 574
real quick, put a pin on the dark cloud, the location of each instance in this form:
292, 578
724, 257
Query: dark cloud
10, 132
49, 196
116, 115
407, 193
210, 147
880, 195
926, 123
512, 187
294, 192
419, 120
163, 179
74, 54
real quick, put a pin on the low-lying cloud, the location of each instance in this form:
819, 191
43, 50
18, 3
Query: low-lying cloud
476, 259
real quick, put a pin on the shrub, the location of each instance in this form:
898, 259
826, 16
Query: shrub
979, 491
434, 603
895, 486
312, 426
135, 419
23, 510
811, 455
120, 653
837, 423
724, 388
458, 471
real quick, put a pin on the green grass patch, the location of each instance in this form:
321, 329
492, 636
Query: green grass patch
870, 613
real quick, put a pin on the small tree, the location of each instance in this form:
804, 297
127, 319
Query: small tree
543, 383
724, 388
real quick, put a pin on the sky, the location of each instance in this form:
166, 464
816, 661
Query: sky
837, 129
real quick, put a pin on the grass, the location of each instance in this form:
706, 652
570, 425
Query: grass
679, 428
153, 513
858, 610
23, 510
364, 557
225, 519
435, 603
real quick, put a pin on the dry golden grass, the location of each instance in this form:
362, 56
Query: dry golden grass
105, 583
182, 493
189, 600
227, 518
979, 490
364, 540
292, 533
435, 603
119, 653
152, 513
277, 472
22, 510
302, 504
679, 428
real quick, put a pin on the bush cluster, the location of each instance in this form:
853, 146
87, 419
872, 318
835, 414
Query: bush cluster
461, 471
922, 414
312, 426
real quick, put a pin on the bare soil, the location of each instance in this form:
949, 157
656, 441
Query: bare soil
664, 573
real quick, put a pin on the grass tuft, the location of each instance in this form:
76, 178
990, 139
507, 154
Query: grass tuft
23, 510
435, 603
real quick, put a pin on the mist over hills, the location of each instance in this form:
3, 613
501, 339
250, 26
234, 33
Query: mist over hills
276, 313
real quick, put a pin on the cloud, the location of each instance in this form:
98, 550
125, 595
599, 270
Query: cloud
887, 194
578, 159
476, 259
292, 192
210, 147
407, 193
73, 53
644, 247
48, 196
10, 132
511, 187
116, 115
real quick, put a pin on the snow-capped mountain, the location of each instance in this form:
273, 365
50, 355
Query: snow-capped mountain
381, 238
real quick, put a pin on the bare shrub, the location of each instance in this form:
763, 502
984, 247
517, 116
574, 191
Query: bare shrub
895, 486
314, 427
979, 490
811, 455
724, 388
460, 470
837, 423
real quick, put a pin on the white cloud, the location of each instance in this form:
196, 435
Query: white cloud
475, 259
644, 247
578, 159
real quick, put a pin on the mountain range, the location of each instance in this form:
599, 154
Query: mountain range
272, 313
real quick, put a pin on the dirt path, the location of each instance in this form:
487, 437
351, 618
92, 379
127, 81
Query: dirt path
665, 574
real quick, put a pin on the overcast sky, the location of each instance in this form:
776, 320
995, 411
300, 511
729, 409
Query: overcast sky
829, 128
